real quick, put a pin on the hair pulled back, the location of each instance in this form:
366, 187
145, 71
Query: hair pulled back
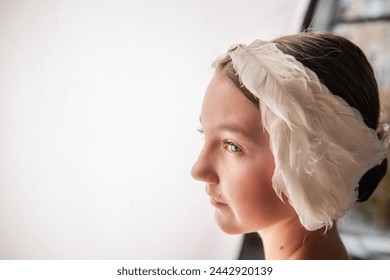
344, 69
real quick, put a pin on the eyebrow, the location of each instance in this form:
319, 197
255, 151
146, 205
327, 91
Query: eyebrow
232, 128
235, 130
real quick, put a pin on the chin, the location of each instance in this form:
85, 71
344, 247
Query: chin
232, 231
230, 227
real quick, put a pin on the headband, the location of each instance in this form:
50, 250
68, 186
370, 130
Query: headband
321, 145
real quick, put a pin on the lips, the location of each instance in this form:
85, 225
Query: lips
215, 202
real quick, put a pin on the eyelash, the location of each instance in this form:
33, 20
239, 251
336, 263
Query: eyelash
225, 141
230, 144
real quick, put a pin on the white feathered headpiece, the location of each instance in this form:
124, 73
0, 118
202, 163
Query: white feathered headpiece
321, 145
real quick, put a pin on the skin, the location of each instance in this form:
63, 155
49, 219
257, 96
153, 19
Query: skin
237, 166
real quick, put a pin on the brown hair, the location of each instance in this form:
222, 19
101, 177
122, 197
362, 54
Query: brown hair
343, 68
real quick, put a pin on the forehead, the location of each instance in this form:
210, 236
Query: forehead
224, 104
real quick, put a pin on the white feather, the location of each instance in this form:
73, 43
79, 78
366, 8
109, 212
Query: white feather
320, 144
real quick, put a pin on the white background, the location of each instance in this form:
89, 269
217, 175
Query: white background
99, 105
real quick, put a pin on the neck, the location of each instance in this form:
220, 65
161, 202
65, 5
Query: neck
290, 240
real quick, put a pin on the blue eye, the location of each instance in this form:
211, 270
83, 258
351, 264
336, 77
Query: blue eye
233, 148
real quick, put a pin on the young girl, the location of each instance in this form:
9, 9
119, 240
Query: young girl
291, 141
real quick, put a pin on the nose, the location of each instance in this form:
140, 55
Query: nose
204, 168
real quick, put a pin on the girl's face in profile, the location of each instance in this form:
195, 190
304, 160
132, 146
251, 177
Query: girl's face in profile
236, 162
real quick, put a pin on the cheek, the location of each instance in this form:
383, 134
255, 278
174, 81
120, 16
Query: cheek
254, 191
252, 197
